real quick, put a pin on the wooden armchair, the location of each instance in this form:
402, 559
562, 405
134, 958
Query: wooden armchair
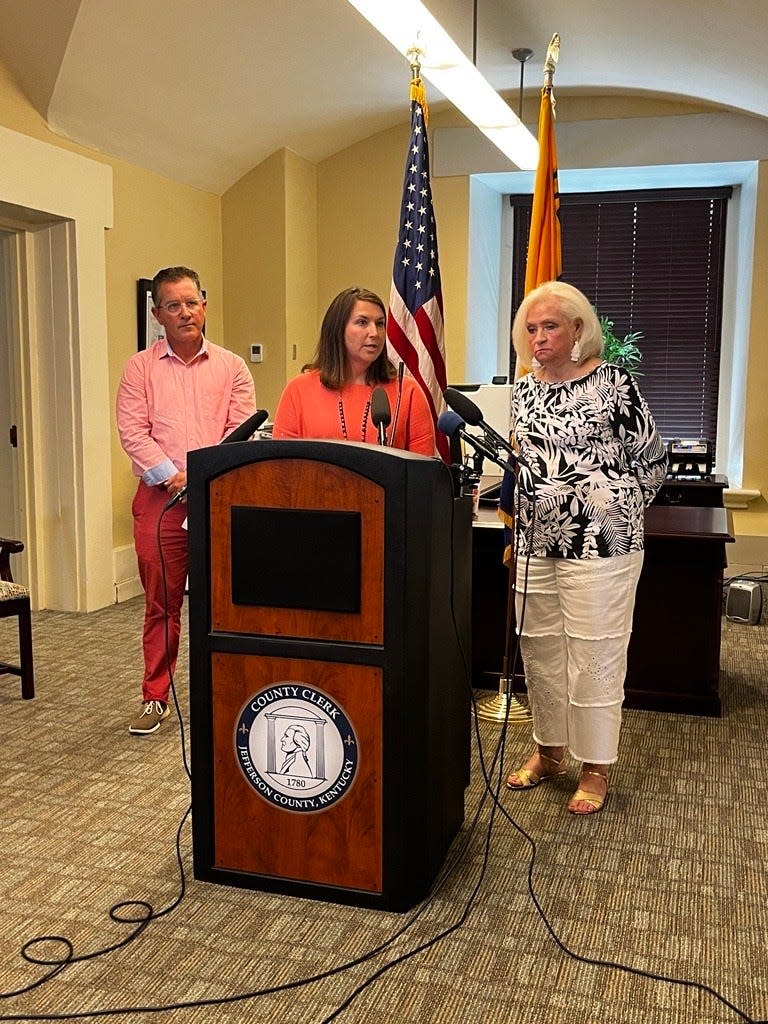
14, 600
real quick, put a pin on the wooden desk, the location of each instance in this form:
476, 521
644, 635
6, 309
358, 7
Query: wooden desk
673, 662
682, 491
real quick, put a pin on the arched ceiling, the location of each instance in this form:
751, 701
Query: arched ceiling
201, 92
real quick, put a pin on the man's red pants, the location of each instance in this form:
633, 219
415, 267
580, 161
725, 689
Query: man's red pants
163, 572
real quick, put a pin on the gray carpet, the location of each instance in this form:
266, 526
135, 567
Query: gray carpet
670, 879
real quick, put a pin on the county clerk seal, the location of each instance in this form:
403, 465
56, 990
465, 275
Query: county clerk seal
296, 746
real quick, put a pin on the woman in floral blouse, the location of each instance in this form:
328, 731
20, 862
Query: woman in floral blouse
590, 460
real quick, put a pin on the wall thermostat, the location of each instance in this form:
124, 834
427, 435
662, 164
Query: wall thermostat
257, 353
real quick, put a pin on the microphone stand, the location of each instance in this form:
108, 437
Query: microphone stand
504, 706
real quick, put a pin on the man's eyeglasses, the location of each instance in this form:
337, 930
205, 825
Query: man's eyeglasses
175, 307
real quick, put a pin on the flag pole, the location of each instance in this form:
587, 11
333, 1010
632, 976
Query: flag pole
415, 328
553, 56
418, 92
544, 263
504, 706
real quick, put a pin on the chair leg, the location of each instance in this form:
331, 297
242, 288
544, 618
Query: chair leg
25, 655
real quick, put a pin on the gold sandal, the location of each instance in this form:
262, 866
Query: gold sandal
529, 778
595, 800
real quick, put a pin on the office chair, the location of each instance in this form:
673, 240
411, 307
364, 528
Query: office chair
14, 600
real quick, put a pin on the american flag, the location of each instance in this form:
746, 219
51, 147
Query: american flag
415, 316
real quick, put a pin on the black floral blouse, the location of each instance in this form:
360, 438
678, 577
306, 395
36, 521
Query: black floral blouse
590, 460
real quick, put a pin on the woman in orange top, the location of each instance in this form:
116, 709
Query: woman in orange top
331, 397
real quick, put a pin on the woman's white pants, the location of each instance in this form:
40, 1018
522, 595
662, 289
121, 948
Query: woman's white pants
574, 617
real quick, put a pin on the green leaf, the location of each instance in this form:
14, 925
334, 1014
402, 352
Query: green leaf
621, 351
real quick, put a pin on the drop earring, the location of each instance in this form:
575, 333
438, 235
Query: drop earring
576, 351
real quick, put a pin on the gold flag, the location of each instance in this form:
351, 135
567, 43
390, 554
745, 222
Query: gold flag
544, 244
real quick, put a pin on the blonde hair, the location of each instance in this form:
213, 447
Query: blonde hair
573, 305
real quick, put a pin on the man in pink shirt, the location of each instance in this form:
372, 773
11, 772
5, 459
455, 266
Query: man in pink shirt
180, 394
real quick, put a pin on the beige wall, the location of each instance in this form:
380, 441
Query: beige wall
301, 256
17, 112
755, 520
253, 225
157, 223
358, 206
269, 223
295, 235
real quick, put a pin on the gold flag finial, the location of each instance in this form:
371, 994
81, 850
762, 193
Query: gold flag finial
553, 56
418, 92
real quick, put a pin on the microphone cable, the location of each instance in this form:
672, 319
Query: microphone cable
138, 912
451, 865
171, 680
459, 854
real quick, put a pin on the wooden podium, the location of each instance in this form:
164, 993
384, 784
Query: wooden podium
329, 649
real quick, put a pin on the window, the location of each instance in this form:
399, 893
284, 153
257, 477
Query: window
650, 261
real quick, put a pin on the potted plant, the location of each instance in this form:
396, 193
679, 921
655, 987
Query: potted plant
621, 351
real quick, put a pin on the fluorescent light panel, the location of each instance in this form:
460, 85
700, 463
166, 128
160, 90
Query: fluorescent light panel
408, 23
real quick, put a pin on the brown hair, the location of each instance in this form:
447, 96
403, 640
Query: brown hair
170, 274
330, 354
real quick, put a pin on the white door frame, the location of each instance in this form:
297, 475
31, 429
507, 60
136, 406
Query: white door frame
64, 408
11, 510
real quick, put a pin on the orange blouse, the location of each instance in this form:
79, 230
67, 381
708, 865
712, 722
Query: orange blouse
309, 410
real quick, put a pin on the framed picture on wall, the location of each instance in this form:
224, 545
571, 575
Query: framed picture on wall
149, 330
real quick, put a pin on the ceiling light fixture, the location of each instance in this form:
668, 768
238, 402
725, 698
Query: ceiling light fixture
410, 27
523, 54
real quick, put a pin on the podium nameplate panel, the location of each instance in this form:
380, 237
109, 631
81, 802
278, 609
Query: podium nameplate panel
313, 487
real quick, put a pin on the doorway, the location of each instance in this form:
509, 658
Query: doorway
34, 274
54, 208
9, 513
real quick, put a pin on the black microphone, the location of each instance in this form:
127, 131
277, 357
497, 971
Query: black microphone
473, 415
241, 433
250, 426
451, 423
381, 414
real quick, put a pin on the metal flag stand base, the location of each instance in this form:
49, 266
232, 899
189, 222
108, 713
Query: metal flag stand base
503, 706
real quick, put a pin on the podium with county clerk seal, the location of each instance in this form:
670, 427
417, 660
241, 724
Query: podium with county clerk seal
329, 624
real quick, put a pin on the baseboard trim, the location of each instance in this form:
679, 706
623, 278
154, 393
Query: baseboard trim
127, 589
126, 573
